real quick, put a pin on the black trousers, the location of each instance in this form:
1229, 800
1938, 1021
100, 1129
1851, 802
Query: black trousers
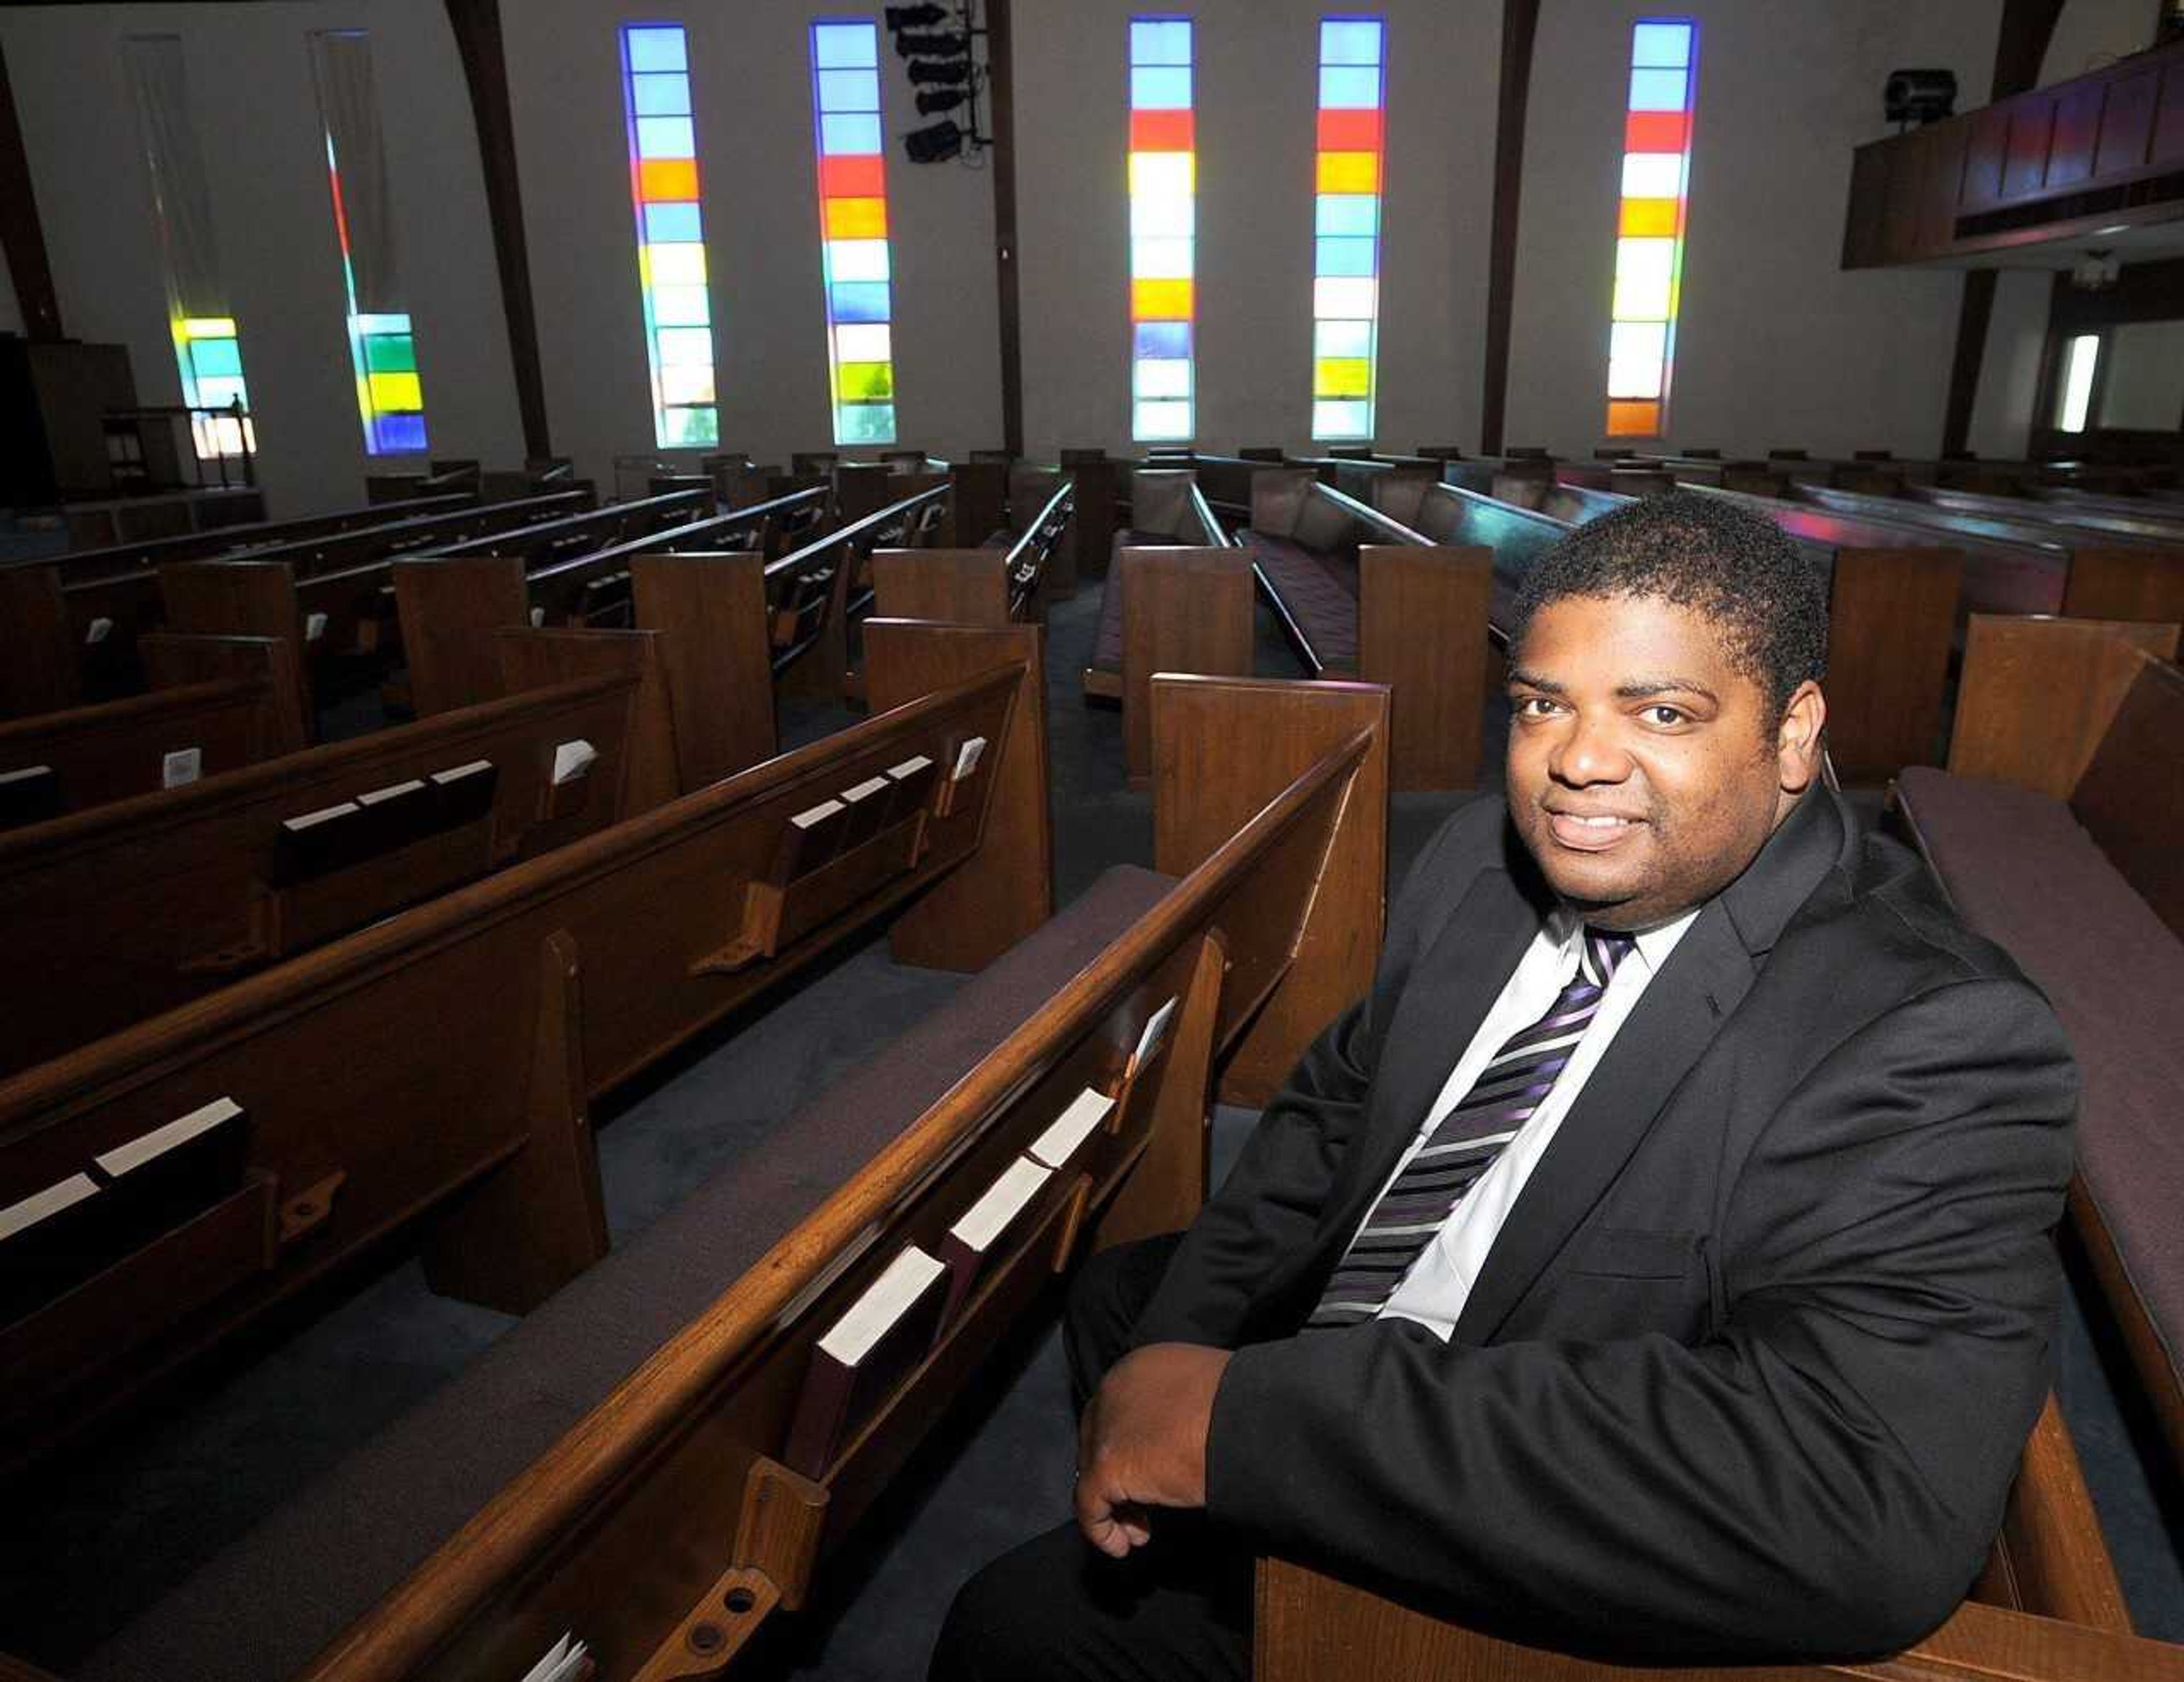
1056, 1609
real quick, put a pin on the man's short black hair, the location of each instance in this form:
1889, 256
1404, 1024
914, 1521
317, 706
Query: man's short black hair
1734, 565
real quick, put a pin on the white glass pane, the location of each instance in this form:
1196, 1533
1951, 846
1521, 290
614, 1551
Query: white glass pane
863, 342
677, 265
1343, 298
1342, 419
1160, 259
1157, 217
856, 260
1163, 377
1638, 341
686, 385
1652, 174
1634, 376
1165, 175
1642, 269
1162, 418
686, 347
1341, 338
680, 306
2085, 354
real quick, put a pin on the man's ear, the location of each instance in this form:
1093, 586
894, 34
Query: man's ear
1797, 740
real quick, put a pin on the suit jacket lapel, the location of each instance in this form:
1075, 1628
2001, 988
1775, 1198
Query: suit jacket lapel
1683, 1007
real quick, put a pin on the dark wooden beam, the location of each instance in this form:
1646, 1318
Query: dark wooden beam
476, 25
2020, 47
22, 235
1000, 89
1520, 23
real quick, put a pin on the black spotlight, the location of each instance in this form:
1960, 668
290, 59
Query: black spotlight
932, 46
942, 72
1919, 96
931, 104
900, 18
935, 143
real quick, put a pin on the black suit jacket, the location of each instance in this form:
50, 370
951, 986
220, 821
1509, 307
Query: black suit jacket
1747, 1370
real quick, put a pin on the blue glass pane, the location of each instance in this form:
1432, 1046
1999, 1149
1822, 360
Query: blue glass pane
1344, 257
864, 423
1167, 41
673, 224
843, 136
848, 90
1158, 88
1668, 45
660, 96
1658, 90
861, 300
665, 137
1354, 41
1349, 87
394, 434
1346, 214
655, 49
844, 47
1163, 339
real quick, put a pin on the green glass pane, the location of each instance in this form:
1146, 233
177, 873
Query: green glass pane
390, 354
689, 426
864, 381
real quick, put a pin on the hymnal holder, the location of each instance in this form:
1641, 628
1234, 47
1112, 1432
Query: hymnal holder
779, 914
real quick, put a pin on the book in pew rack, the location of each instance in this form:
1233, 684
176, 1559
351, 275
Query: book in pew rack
973, 1241
859, 1359
1068, 1133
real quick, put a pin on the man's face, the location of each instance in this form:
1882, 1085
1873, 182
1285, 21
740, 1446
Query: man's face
1645, 770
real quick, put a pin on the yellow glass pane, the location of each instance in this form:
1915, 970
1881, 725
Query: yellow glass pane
1342, 376
396, 392
1649, 217
1349, 172
1160, 300
856, 217
209, 327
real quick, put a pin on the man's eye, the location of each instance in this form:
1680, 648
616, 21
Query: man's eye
1664, 716
1535, 706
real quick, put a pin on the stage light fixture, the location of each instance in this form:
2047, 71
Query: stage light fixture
935, 143
942, 72
933, 46
931, 104
1919, 96
900, 18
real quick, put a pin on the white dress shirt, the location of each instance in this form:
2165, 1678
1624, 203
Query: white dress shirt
1434, 1291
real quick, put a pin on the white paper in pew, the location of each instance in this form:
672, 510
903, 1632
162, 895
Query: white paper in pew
1063, 1139
572, 760
184, 765
99, 630
1151, 1037
314, 627
564, 1660
537, 617
967, 757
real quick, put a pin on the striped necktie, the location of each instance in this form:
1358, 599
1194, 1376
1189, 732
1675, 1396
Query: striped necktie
1514, 1083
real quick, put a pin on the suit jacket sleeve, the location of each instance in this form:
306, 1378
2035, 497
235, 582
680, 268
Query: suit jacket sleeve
1267, 1209
1820, 1479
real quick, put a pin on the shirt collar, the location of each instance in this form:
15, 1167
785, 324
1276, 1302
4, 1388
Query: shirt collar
1651, 950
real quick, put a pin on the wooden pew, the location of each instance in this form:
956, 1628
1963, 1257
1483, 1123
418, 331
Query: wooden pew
588, 531
431, 1072
105, 615
973, 587
143, 905
651, 1510
2053, 831
218, 703
1168, 509
2049, 1608
814, 594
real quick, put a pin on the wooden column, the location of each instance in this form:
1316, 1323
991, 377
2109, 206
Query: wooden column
22, 235
476, 25
1001, 88
1520, 23
2027, 27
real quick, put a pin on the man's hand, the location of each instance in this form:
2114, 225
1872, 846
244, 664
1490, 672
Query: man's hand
1142, 1442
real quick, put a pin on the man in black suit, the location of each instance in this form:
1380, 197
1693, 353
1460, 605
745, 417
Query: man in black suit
1655, 1263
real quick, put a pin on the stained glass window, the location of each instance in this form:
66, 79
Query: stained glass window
2083, 358
1163, 229
1649, 245
671, 240
853, 219
1345, 291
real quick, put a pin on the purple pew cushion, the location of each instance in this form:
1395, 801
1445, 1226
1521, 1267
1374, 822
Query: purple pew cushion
1319, 591
262, 1609
1107, 642
2023, 872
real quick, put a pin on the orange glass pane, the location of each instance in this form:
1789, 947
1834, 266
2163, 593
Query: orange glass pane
1162, 132
1348, 130
855, 218
1348, 172
854, 177
666, 179
1634, 420
1160, 300
1649, 217
1656, 130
